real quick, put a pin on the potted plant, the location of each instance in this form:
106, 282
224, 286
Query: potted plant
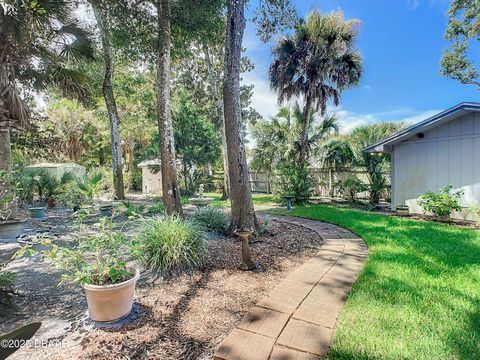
98, 264
441, 204
402, 210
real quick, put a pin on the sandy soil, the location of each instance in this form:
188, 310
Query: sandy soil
181, 318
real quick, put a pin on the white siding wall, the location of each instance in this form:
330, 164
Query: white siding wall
448, 154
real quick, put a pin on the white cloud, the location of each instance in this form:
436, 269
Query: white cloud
367, 88
264, 100
349, 120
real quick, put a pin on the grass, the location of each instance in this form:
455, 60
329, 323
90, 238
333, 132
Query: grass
418, 296
170, 244
258, 199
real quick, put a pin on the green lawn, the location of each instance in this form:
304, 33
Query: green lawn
258, 199
419, 294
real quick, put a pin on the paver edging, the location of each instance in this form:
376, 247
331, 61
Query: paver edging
300, 314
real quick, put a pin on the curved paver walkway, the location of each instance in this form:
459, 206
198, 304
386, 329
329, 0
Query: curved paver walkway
297, 319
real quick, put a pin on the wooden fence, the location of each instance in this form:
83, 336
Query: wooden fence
325, 179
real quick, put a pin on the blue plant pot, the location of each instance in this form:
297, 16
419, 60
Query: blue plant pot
37, 212
106, 210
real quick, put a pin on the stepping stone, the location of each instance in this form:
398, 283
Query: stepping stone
304, 336
264, 322
283, 353
244, 345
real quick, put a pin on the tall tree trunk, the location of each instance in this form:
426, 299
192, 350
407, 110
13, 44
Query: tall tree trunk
170, 191
5, 150
101, 157
243, 214
107, 89
305, 127
130, 157
221, 120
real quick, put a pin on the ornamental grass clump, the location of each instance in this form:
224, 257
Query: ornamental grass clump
168, 245
211, 219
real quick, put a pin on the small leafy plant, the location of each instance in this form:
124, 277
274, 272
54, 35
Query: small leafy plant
7, 282
262, 227
96, 259
132, 210
91, 185
9, 190
171, 244
72, 197
211, 219
157, 208
351, 187
441, 203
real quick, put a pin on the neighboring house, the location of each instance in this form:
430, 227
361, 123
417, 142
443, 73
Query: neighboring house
441, 150
151, 176
58, 169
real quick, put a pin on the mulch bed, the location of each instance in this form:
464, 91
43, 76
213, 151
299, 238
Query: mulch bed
187, 316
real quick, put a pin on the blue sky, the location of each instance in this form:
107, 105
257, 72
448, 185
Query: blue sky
401, 42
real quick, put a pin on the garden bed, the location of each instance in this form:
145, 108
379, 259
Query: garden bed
184, 317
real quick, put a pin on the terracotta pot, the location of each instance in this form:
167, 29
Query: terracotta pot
51, 202
111, 302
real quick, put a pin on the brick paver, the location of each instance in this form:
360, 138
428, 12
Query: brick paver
298, 317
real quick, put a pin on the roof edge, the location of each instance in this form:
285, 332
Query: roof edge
384, 145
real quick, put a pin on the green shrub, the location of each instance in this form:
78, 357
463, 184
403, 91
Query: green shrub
157, 208
170, 244
351, 187
10, 188
441, 203
262, 227
91, 185
211, 218
40, 184
98, 258
71, 197
132, 210
7, 281
294, 180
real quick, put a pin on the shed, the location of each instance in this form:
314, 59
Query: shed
151, 176
441, 150
58, 169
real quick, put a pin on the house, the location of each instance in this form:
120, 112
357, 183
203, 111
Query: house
441, 150
151, 176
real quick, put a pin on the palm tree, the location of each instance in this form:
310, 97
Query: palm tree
376, 165
38, 39
336, 154
280, 137
317, 62
309, 132
272, 141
